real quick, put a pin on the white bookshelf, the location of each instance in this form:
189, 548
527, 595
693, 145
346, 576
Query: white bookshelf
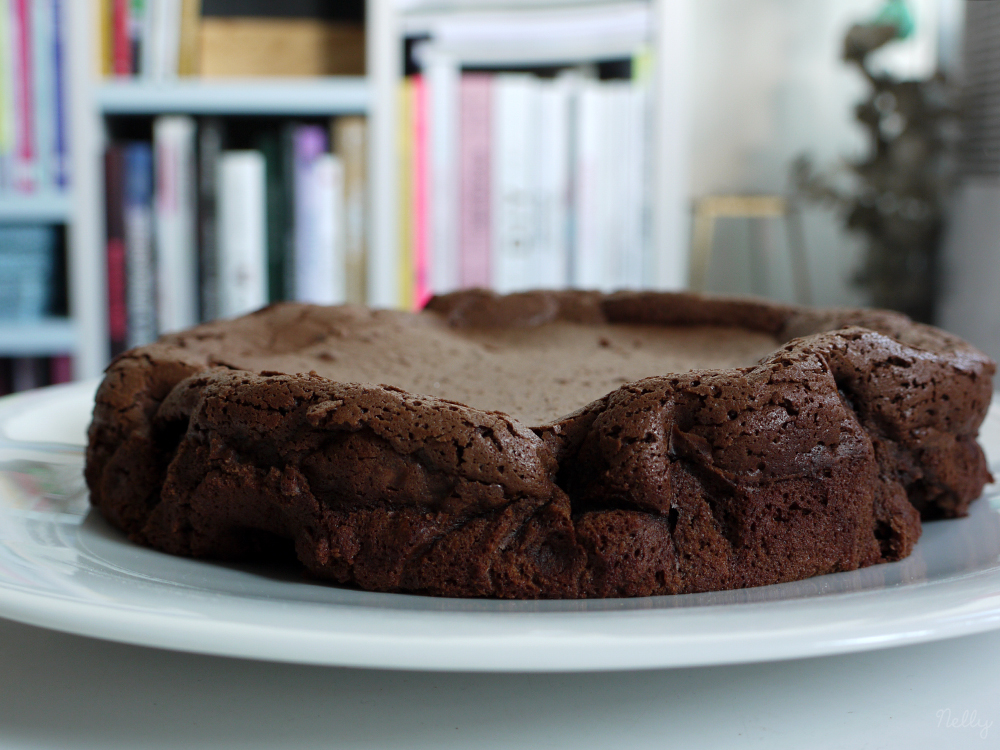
49, 337
669, 24
51, 208
92, 99
320, 96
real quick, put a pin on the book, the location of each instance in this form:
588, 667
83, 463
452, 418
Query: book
514, 182
27, 269
587, 261
114, 197
270, 143
211, 133
121, 42
442, 82
188, 41
25, 159
327, 230
475, 97
308, 143
421, 197
43, 85
61, 160
242, 241
175, 234
249, 47
7, 126
553, 196
136, 23
60, 369
161, 39
350, 141
404, 134
140, 280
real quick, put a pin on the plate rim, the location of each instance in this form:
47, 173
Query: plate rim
534, 642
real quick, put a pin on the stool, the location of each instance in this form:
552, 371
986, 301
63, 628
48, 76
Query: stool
710, 208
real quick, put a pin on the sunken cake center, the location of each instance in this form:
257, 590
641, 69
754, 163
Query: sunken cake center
534, 374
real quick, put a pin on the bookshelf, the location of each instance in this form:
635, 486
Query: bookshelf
94, 101
321, 96
667, 36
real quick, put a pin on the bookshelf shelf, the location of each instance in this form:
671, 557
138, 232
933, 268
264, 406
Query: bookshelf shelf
51, 208
53, 336
260, 96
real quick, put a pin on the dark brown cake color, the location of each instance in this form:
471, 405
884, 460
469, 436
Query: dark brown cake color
544, 445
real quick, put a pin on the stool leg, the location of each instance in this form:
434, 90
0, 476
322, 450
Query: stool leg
701, 249
797, 251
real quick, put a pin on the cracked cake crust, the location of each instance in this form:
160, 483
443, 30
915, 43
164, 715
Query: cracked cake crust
820, 458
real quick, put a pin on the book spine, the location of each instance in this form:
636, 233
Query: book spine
242, 240
140, 286
43, 83
421, 197
115, 228
269, 143
27, 261
176, 242
24, 106
60, 369
327, 197
121, 44
210, 138
514, 187
475, 97
351, 145
105, 48
7, 127
587, 262
136, 29
187, 41
309, 142
554, 189
60, 166
404, 268
442, 143
170, 32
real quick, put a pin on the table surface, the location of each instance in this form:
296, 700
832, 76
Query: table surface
69, 692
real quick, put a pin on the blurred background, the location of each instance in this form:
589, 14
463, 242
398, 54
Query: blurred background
165, 162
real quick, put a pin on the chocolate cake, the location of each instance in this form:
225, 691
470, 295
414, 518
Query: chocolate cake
544, 445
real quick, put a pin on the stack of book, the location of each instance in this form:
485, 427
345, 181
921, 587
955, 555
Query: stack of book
162, 39
198, 230
33, 133
515, 181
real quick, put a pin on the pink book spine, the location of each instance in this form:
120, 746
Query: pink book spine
475, 91
421, 199
24, 105
60, 370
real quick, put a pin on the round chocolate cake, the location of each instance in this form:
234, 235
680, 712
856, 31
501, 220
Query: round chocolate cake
545, 444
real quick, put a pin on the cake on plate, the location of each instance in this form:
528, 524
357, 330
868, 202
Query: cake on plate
544, 444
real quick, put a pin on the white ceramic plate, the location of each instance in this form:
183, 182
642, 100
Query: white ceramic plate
62, 567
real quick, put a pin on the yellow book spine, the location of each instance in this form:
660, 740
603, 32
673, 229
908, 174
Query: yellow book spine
406, 155
189, 52
103, 8
350, 142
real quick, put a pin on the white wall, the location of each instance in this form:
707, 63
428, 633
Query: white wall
769, 85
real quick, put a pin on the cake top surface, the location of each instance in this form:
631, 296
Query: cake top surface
534, 373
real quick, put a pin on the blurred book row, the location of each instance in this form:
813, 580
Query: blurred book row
33, 131
162, 39
516, 181
24, 373
215, 218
